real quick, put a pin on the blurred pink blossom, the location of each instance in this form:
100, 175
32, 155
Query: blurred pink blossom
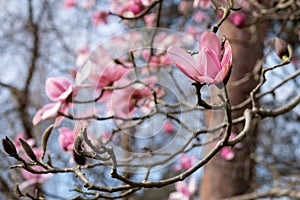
168, 127
199, 16
184, 191
69, 3
150, 19
99, 17
227, 153
156, 61
238, 19
185, 162
183, 6
66, 139
210, 65
192, 30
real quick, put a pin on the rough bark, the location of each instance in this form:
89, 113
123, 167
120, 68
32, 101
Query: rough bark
222, 178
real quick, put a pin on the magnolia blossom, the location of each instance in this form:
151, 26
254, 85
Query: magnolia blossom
210, 65
60, 90
100, 70
186, 162
184, 191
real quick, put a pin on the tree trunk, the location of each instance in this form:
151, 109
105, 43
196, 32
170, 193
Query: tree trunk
223, 178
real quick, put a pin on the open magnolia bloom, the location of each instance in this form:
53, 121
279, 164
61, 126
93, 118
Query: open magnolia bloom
210, 65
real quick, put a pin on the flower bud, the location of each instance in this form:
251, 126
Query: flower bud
45, 138
9, 147
28, 150
281, 48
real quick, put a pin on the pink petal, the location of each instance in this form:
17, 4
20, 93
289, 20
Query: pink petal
213, 64
52, 112
56, 86
38, 115
222, 74
227, 56
209, 40
184, 62
85, 71
64, 108
204, 79
63, 97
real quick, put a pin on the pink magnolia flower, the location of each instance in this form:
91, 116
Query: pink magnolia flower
204, 4
60, 90
210, 65
238, 19
69, 3
66, 139
186, 162
100, 17
184, 191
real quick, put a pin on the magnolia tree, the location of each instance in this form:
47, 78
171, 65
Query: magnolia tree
184, 85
